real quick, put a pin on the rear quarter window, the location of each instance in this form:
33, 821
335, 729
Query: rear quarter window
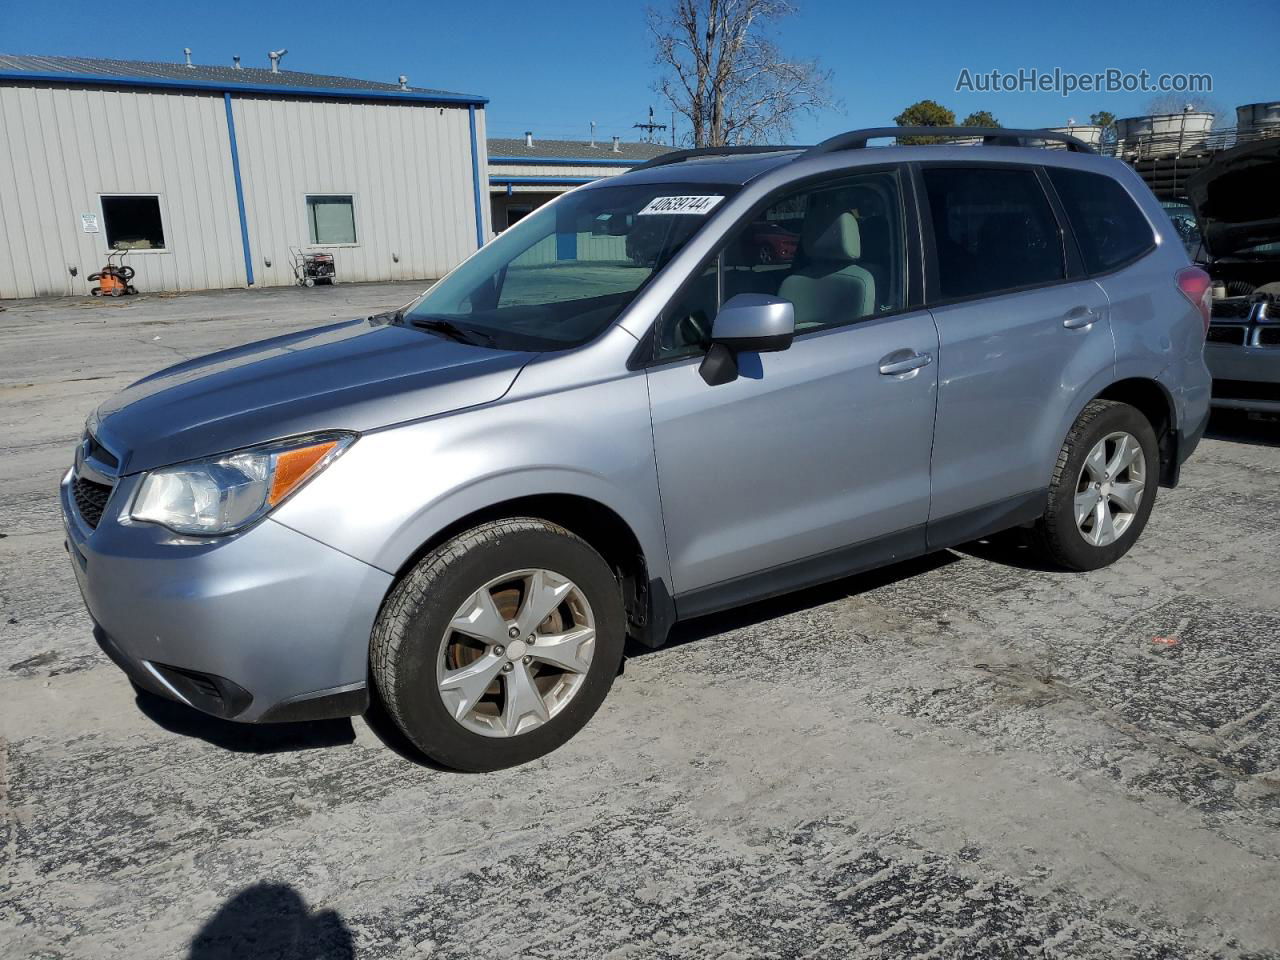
1109, 227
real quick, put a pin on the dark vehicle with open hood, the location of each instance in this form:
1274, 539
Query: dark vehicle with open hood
1236, 201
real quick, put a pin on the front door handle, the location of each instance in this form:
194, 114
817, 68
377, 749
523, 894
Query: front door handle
895, 364
1080, 318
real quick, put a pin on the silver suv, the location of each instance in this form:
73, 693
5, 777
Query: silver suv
725, 375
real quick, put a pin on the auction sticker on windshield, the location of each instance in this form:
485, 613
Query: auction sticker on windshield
667, 205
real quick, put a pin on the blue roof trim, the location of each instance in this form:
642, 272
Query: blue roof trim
209, 86
542, 181
571, 161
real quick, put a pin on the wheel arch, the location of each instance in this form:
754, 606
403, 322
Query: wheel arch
1150, 398
649, 608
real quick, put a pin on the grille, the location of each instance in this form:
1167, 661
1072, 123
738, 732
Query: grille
1219, 333
1236, 308
91, 499
1269, 337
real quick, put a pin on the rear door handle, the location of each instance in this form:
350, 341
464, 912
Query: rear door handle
895, 364
1079, 318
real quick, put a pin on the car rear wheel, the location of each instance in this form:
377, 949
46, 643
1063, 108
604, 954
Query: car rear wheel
499, 645
1103, 488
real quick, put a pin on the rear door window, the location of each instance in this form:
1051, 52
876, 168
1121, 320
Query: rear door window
994, 230
1108, 225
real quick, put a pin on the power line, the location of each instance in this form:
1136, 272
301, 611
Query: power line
649, 128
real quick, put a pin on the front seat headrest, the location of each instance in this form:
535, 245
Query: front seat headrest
830, 232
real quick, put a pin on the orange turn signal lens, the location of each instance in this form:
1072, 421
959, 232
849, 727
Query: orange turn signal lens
294, 466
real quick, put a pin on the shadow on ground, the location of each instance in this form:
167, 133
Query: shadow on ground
244, 737
271, 921
737, 618
1010, 549
1236, 426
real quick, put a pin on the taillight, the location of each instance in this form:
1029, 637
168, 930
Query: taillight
1197, 287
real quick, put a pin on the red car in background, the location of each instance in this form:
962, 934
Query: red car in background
774, 244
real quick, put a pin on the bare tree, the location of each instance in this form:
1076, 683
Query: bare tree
726, 76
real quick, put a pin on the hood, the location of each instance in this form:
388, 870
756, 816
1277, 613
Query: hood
357, 375
1236, 200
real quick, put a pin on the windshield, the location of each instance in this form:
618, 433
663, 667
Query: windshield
1184, 222
562, 274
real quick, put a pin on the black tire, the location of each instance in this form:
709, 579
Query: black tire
1056, 534
411, 628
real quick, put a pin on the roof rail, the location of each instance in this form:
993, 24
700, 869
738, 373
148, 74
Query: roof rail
857, 140
679, 156
991, 137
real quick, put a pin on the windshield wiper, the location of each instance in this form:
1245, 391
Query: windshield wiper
447, 328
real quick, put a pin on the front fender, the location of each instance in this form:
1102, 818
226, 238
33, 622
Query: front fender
398, 488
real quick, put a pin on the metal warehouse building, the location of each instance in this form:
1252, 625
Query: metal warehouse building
525, 174
209, 175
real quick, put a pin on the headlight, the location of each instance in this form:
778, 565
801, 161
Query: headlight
231, 491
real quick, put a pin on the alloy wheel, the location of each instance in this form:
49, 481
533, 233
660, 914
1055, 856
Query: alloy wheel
1109, 489
516, 652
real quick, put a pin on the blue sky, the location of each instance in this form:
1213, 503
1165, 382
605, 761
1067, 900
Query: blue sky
552, 67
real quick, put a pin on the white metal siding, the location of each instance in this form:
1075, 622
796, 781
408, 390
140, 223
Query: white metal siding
407, 166
61, 147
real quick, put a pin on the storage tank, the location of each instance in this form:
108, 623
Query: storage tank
1090, 133
1163, 134
1259, 118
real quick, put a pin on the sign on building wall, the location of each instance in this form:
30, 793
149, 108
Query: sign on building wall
90, 222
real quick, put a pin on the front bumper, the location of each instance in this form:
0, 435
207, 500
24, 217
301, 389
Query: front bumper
1245, 377
260, 626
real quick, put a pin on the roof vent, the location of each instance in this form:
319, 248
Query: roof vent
274, 56
528, 138
235, 63
186, 52
615, 145
404, 82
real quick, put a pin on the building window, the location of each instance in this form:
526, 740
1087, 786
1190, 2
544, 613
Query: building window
332, 219
133, 223
516, 214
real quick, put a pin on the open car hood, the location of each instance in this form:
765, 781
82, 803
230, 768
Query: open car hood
1236, 198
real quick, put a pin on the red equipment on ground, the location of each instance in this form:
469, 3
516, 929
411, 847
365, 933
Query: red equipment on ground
113, 280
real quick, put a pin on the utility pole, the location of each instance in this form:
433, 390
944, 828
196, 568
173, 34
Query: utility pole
649, 127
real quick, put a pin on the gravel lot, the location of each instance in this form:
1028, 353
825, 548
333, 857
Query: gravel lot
963, 756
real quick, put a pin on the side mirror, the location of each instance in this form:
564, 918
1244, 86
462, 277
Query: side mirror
748, 322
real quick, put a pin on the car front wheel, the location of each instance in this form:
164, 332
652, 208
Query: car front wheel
499, 645
1103, 487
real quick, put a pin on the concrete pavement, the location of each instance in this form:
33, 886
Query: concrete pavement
962, 756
